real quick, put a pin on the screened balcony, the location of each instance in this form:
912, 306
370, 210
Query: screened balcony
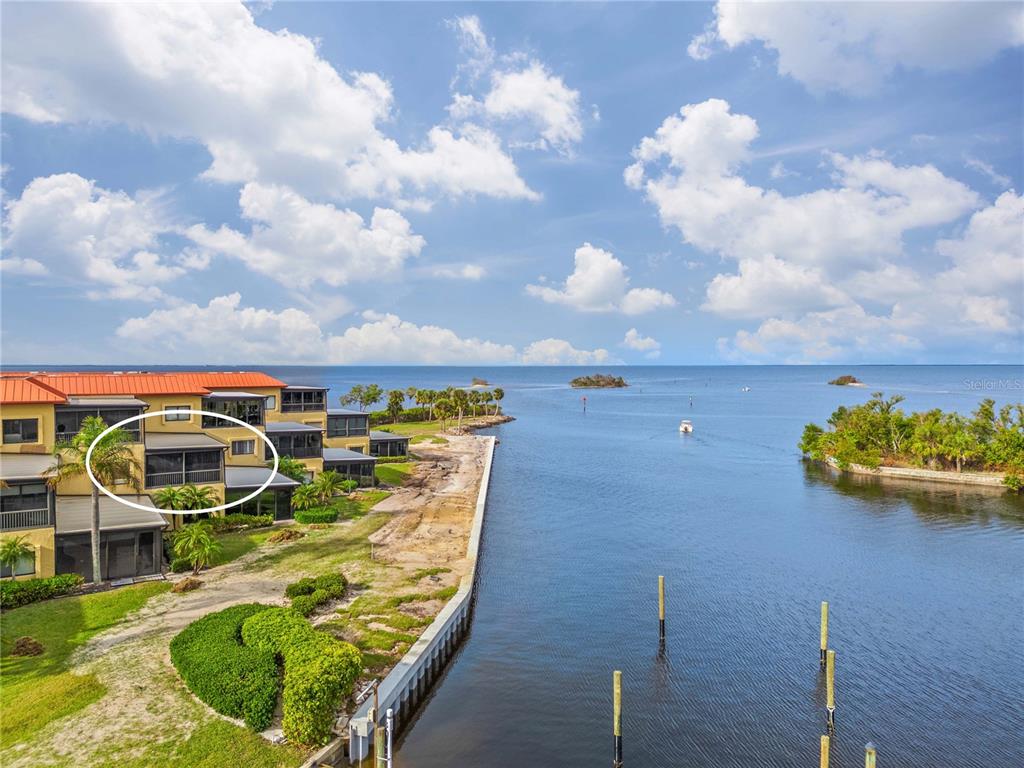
300, 441
244, 406
25, 505
68, 419
343, 423
180, 459
302, 399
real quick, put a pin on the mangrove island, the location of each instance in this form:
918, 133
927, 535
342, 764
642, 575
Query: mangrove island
598, 381
878, 433
846, 380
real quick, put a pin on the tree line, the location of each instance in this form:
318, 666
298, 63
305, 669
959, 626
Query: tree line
443, 405
878, 432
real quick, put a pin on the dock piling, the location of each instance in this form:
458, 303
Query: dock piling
830, 689
869, 755
661, 609
378, 746
617, 717
824, 631
823, 763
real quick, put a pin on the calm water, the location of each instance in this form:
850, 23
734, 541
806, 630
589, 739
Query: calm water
926, 583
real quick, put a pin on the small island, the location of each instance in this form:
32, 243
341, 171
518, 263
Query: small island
598, 381
986, 447
846, 380
477, 382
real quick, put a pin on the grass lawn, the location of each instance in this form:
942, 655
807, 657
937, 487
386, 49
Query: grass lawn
39, 689
393, 474
238, 543
216, 744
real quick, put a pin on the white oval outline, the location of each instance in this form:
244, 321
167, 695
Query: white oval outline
178, 412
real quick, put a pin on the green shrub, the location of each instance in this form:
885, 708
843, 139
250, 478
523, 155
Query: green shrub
347, 486
239, 522
318, 671
14, 594
317, 515
180, 565
234, 679
1014, 482
392, 459
419, 413
309, 593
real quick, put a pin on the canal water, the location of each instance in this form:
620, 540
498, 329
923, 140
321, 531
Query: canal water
925, 582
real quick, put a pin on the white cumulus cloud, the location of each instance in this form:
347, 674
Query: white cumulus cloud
299, 243
265, 104
638, 342
855, 46
599, 283
561, 352
68, 226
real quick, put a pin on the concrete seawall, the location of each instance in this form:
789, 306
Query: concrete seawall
411, 679
931, 475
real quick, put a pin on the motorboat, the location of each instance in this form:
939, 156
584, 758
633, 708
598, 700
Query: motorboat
685, 426
745, 389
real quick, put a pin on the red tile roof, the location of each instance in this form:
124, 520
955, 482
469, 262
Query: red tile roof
42, 387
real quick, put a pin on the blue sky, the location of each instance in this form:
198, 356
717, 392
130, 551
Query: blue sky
513, 183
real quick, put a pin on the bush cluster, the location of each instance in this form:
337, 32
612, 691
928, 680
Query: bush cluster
318, 670
180, 565
14, 594
317, 515
235, 679
392, 459
238, 522
419, 413
309, 593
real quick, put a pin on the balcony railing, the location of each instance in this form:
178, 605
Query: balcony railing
298, 407
311, 452
24, 518
67, 437
195, 476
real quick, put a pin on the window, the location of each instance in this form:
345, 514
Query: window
301, 445
243, 447
249, 411
347, 426
21, 430
303, 400
19, 497
69, 420
25, 566
271, 402
177, 416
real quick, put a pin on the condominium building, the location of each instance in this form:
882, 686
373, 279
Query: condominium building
41, 411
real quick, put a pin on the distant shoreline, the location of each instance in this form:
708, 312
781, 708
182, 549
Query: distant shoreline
991, 479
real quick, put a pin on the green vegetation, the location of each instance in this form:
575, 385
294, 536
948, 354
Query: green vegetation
215, 744
196, 545
14, 594
878, 432
393, 474
112, 461
236, 680
290, 468
319, 671
240, 522
310, 593
186, 497
845, 380
598, 381
363, 395
15, 549
317, 515
39, 689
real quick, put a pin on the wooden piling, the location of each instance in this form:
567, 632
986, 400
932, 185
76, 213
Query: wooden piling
824, 752
617, 717
378, 746
824, 631
869, 755
661, 608
830, 689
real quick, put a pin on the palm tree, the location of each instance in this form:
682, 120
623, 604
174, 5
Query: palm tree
460, 400
499, 395
14, 550
196, 544
169, 498
305, 497
112, 462
444, 409
291, 468
328, 485
193, 497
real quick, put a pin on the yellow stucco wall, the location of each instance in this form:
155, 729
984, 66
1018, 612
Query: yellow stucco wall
81, 486
46, 427
42, 540
352, 443
161, 403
